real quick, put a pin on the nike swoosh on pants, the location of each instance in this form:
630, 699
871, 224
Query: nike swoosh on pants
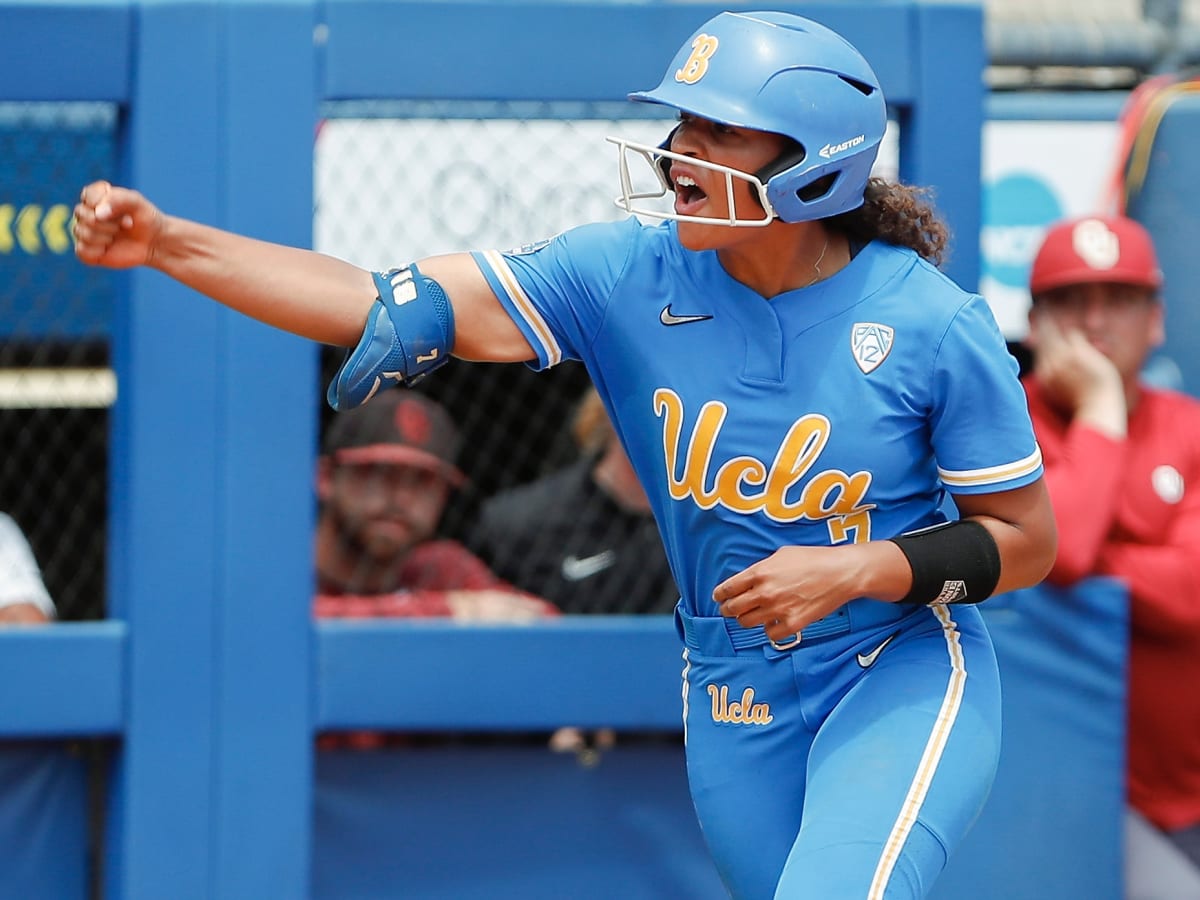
866, 660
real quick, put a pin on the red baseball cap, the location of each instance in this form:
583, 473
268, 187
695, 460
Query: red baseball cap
398, 427
1095, 249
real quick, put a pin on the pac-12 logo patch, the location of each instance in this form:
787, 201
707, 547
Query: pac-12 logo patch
871, 343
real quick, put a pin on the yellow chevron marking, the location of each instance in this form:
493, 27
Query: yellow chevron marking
55, 228
27, 229
7, 211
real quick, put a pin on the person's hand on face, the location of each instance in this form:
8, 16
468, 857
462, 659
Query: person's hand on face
1076, 377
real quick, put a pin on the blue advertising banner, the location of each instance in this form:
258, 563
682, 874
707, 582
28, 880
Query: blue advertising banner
49, 150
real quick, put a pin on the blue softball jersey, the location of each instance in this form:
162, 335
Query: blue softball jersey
839, 412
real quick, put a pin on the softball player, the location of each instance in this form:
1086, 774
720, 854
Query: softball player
798, 388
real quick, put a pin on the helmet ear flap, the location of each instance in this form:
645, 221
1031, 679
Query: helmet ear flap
792, 154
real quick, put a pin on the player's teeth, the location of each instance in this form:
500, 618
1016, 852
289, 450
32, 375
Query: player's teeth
685, 181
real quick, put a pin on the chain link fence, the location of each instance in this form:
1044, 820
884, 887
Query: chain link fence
419, 181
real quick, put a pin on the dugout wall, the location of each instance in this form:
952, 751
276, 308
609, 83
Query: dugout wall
208, 674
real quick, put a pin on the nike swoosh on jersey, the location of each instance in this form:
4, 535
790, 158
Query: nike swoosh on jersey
575, 568
866, 660
669, 318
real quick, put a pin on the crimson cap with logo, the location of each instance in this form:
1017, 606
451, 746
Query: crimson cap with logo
399, 427
1095, 249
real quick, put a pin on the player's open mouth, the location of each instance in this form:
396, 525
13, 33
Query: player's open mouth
688, 195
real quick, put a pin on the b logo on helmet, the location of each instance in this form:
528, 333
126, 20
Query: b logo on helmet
703, 47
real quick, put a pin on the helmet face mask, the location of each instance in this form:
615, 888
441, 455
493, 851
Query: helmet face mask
654, 157
784, 74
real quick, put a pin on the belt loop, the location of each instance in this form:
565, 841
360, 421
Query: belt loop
707, 634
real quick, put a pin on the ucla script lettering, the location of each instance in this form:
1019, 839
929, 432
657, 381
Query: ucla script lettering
738, 712
748, 485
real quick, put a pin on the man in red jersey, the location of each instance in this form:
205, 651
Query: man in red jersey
1123, 470
384, 479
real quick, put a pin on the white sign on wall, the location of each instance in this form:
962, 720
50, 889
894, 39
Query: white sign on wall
1034, 173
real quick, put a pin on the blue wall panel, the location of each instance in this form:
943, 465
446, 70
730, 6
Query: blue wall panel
68, 680
553, 50
940, 134
1166, 205
44, 846
163, 478
508, 823
1052, 826
622, 671
266, 387
66, 51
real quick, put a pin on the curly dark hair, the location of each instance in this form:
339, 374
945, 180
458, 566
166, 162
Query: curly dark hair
899, 214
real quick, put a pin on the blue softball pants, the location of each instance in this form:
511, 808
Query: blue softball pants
849, 766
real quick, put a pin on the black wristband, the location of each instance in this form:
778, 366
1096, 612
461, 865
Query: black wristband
953, 562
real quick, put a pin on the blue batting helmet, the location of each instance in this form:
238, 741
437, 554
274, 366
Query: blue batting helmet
782, 73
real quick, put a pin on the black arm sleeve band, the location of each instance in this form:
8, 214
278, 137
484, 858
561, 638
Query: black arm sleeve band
954, 562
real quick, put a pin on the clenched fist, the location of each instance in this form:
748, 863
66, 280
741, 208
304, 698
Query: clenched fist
115, 227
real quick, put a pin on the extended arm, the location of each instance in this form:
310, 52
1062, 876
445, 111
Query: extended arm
306, 293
